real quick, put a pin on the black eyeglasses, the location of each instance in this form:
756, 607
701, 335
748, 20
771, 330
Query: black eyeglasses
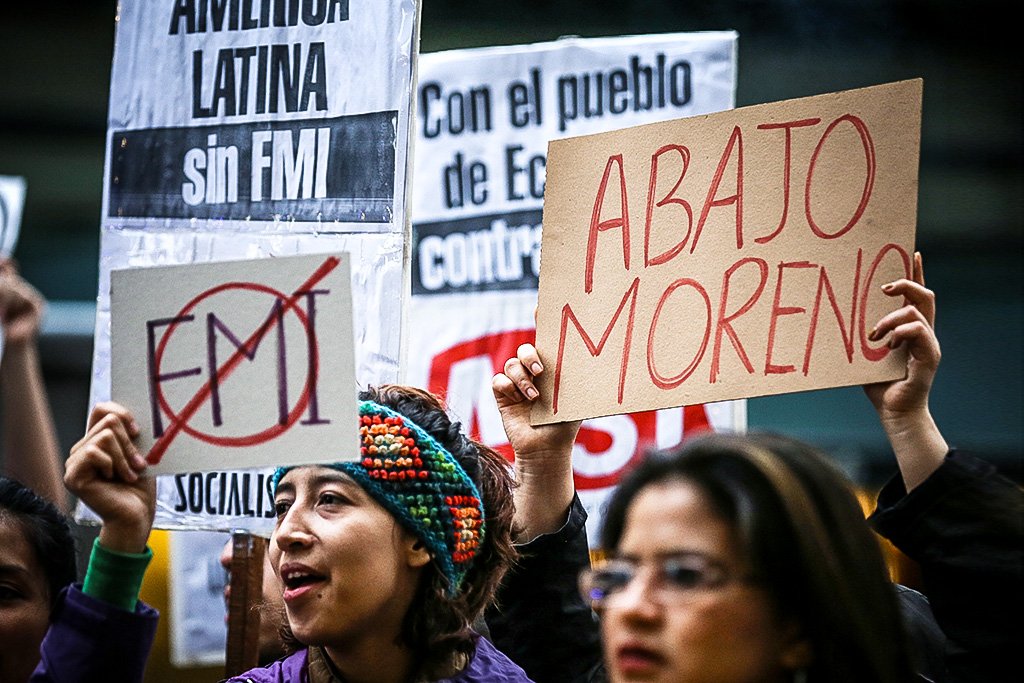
676, 579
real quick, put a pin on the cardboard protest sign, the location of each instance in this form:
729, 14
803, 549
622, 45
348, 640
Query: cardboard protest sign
12, 202
732, 255
236, 364
485, 117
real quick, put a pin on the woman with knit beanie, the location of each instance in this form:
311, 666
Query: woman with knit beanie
385, 562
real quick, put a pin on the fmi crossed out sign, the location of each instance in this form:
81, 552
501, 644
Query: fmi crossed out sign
237, 363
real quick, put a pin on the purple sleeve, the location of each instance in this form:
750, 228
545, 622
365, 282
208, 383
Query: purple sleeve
290, 669
91, 640
489, 664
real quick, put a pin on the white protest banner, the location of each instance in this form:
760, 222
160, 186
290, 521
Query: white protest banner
245, 130
12, 203
242, 131
726, 256
484, 120
273, 110
236, 364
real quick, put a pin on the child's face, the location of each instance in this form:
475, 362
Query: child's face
348, 570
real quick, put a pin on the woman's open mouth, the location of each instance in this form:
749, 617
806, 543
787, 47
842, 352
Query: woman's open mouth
298, 580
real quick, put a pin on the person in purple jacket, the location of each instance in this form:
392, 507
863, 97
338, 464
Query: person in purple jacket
386, 561
99, 631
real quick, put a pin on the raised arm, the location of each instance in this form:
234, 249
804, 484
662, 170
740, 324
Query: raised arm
543, 454
32, 452
541, 622
955, 515
105, 470
902, 405
101, 631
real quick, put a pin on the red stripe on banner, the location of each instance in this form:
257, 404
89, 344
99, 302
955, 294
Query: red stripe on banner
695, 420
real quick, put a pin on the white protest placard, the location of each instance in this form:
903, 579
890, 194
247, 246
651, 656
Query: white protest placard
273, 110
485, 117
242, 131
247, 130
236, 364
12, 203
725, 256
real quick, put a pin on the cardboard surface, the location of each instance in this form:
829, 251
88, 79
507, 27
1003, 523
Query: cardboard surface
237, 364
726, 256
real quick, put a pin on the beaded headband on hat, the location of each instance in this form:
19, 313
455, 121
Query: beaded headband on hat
418, 481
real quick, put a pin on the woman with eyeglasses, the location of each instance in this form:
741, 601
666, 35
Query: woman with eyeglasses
744, 558
747, 558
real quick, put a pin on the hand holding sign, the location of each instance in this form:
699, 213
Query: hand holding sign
105, 471
902, 404
914, 325
238, 364
543, 453
766, 232
514, 390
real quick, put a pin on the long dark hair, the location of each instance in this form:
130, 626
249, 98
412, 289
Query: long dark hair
437, 627
803, 531
45, 529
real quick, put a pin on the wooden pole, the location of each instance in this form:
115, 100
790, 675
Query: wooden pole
243, 644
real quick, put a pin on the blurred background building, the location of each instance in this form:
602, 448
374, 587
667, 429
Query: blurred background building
54, 77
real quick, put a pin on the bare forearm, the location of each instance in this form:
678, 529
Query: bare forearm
917, 443
129, 536
544, 493
30, 436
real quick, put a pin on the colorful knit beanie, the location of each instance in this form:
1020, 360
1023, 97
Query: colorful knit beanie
418, 481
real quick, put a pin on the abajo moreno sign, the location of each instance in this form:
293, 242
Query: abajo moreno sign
726, 256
